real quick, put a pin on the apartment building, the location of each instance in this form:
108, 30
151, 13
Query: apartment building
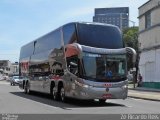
118, 16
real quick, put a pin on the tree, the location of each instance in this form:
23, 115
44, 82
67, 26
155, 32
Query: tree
130, 37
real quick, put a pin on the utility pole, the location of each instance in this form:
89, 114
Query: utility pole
121, 21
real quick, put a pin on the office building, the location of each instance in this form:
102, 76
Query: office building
118, 16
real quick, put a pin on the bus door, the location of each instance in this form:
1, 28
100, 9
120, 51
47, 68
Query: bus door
71, 75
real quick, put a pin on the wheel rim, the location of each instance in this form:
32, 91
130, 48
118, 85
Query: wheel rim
54, 93
27, 89
62, 94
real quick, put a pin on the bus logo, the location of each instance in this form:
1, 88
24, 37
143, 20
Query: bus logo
107, 85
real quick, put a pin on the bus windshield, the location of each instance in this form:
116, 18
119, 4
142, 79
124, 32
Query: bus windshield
89, 34
103, 68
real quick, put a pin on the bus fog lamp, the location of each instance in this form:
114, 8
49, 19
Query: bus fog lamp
124, 86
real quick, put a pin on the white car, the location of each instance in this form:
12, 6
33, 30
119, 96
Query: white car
16, 80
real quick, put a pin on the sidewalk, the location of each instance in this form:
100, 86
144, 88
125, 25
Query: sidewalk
144, 93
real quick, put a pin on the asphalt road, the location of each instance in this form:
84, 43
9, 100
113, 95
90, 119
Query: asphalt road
14, 101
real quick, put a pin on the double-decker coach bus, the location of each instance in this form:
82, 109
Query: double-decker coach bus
78, 60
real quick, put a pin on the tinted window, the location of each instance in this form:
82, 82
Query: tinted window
49, 41
69, 33
27, 50
102, 36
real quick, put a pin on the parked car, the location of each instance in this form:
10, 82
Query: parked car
15, 80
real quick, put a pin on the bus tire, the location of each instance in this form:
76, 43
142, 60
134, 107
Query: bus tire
54, 93
27, 88
102, 101
62, 95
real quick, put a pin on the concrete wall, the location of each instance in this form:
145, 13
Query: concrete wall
14, 69
142, 23
149, 40
155, 16
149, 37
148, 6
155, 19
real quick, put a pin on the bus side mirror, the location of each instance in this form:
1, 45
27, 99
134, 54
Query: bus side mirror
73, 68
73, 64
132, 52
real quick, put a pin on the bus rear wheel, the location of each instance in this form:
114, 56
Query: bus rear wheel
54, 94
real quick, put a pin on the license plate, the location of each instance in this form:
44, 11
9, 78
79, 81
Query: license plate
106, 96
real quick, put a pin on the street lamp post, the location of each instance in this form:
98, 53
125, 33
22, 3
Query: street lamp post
132, 22
121, 21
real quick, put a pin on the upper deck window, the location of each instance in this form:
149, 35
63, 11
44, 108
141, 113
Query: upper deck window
101, 36
27, 50
49, 41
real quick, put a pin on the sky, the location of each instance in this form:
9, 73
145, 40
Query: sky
22, 21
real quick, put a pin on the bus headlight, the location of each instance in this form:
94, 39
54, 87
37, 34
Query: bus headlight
81, 84
124, 86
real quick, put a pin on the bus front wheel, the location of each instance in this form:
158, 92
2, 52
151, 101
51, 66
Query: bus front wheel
102, 101
27, 88
62, 95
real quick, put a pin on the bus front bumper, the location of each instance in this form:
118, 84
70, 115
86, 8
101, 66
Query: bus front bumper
102, 93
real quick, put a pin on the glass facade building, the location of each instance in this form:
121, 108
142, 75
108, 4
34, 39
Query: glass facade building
118, 16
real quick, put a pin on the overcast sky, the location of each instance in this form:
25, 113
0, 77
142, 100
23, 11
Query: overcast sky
22, 21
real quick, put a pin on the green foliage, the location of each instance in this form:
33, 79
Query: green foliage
130, 37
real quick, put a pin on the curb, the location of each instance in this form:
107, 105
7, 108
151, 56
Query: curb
144, 98
144, 89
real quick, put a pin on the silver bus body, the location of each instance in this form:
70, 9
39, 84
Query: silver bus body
75, 69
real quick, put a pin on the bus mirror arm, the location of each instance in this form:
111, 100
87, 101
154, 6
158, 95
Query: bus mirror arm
132, 52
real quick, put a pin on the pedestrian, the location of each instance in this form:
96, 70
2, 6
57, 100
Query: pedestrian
139, 80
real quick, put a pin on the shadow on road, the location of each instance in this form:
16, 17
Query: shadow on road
71, 103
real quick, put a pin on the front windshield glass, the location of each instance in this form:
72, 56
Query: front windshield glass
104, 67
17, 77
